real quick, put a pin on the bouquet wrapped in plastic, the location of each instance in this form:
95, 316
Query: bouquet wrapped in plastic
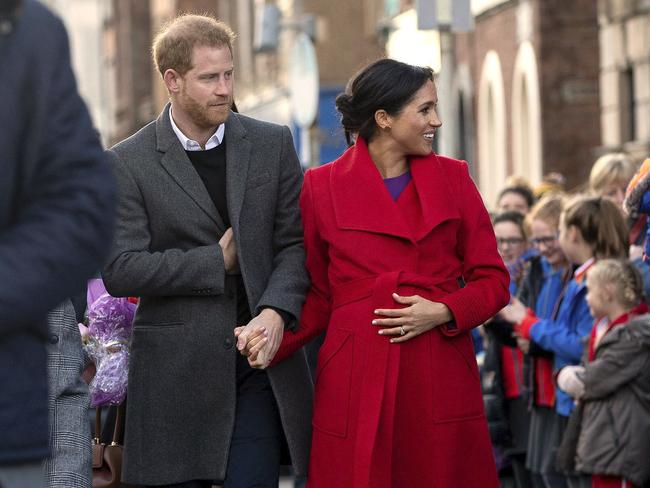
107, 341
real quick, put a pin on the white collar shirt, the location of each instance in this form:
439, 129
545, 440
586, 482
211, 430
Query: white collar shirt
191, 145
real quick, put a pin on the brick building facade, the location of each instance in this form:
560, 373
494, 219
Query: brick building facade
534, 71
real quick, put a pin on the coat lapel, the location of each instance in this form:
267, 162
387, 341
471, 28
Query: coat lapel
361, 201
434, 190
238, 150
180, 168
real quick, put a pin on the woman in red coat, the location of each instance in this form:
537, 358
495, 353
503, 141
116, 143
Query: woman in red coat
403, 263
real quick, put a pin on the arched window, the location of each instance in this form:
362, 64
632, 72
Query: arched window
491, 129
526, 116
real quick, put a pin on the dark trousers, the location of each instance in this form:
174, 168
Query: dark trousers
256, 444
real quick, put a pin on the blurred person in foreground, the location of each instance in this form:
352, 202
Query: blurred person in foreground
56, 197
403, 263
209, 237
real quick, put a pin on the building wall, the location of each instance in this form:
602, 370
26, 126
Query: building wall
131, 28
91, 56
554, 48
625, 76
495, 43
349, 41
568, 56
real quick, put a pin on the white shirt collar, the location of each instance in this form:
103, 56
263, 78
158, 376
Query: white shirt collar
190, 145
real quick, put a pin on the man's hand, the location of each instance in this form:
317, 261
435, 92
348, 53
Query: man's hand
260, 339
229, 249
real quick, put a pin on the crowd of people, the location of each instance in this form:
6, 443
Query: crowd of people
237, 260
555, 352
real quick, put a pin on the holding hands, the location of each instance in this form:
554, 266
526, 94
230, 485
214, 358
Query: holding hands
260, 339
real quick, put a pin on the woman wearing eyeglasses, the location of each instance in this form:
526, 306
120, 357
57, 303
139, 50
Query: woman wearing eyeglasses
504, 378
541, 288
531, 415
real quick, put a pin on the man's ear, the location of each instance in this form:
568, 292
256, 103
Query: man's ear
173, 81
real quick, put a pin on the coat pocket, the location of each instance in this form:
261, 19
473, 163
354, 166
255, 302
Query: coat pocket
333, 381
455, 381
146, 326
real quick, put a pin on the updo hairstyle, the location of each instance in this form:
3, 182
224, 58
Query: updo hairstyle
385, 84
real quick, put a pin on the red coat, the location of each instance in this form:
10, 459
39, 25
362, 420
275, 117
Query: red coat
397, 415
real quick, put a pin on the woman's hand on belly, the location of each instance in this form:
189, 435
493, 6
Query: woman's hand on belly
419, 316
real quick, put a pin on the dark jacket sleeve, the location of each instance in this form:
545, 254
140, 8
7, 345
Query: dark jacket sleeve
63, 218
289, 281
620, 363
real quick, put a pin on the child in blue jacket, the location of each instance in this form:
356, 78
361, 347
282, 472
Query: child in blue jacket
591, 228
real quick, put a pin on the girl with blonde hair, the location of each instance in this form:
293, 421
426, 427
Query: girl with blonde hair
614, 384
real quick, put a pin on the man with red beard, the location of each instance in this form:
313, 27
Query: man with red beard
209, 237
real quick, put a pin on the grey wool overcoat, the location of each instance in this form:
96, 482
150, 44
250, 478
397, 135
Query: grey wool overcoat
181, 396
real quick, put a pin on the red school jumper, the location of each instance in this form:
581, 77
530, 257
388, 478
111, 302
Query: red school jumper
397, 415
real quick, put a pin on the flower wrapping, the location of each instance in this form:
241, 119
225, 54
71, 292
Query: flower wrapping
110, 323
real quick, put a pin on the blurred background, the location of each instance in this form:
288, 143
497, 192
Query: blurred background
526, 87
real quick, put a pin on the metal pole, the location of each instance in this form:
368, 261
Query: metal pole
448, 146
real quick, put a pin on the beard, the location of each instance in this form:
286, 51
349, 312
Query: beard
205, 116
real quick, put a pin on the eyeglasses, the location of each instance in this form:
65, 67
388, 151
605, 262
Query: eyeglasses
546, 240
510, 241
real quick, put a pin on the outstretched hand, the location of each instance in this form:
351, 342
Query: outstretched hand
514, 313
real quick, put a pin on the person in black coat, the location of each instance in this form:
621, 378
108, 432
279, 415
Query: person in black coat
56, 220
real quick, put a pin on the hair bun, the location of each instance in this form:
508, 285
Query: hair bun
345, 106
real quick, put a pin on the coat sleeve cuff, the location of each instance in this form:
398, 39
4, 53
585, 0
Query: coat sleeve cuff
523, 327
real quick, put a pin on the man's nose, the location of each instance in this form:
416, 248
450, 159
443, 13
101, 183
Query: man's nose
222, 88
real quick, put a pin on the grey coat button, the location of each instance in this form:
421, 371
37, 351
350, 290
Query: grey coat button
228, 343
54, 339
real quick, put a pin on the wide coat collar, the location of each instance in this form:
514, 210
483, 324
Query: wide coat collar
180, 168
362, 202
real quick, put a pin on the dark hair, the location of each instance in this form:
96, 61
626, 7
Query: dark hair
385, 84
512, 217
524, 192
600, 223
